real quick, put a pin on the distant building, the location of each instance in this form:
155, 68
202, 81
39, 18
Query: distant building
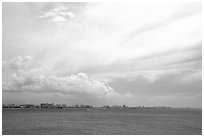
60, 106
86, 106
76, 106
46, 105
51, 105
116, 106
37, 106
8, 106
17, 106
64, 106
107, 106
29, 106
125, 106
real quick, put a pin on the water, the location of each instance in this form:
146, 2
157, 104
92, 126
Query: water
101, 122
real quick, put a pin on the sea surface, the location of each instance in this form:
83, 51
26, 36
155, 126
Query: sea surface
101, 122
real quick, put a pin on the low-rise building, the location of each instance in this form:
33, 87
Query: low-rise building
46, 105
8, 106
64, 106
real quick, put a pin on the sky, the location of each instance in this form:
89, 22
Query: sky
104, 53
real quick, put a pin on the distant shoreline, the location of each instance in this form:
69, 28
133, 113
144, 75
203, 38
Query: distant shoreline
101, 108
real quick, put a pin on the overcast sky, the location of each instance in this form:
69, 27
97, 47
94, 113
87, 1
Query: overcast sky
103, 53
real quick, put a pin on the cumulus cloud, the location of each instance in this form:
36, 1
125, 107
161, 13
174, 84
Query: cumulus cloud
58, 14
28, 75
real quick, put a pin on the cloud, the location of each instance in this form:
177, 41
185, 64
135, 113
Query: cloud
108, 41
154, 66
108, 34
27, 75
58, 14
171, 84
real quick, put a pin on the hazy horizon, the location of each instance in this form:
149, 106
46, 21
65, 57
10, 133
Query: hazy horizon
137, 54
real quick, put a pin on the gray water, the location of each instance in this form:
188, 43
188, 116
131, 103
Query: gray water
101, 122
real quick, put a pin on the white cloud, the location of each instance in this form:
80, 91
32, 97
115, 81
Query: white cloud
58, 19
118, 36
34, 78
58, 14
108, 41
111, 33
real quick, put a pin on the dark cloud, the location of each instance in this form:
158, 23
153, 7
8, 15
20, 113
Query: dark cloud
169, 84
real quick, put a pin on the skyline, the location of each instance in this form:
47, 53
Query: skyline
145, 54
85, 105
